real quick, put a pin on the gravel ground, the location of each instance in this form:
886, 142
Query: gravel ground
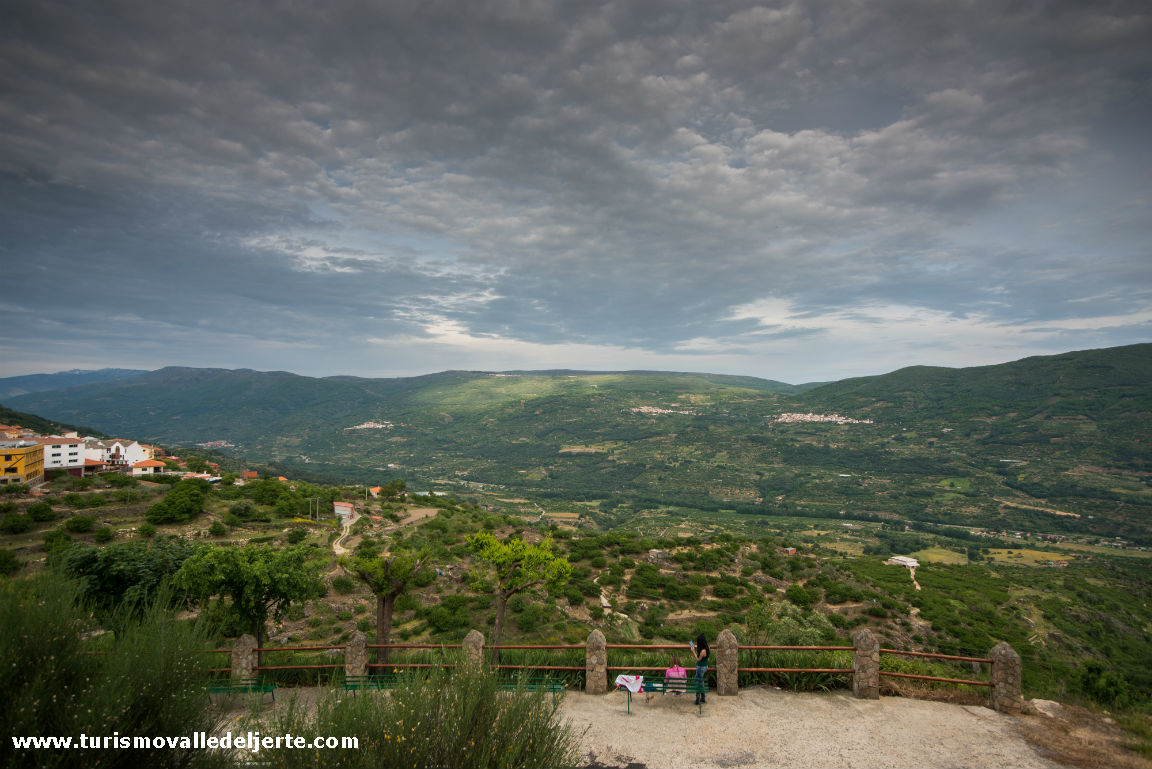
773, 728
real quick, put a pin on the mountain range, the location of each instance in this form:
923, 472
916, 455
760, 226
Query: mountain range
1052, 443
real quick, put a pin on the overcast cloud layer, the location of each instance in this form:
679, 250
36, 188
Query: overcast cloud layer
800, 191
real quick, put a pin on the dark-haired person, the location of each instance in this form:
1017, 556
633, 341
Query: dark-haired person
701, 652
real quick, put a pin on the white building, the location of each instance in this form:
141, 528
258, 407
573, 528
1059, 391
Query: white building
118, 453
62, 452
903, 560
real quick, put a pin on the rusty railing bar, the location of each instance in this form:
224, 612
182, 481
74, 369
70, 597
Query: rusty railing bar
933, 678
937, 656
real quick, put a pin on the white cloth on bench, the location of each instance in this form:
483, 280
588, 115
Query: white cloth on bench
631, 683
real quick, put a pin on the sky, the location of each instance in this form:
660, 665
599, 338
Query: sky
799, 191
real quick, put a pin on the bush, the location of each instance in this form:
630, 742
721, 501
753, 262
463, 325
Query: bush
104, 534
799, 596
217, 529
151, 685
8, 562
40, 512
146, 530
476, 725
118, 480
343, 584
296, 536
79, 524
15, 523
182, 503
56, 540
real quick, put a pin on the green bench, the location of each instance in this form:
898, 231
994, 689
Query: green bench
373, 681
662, 685
233, 686
534, 684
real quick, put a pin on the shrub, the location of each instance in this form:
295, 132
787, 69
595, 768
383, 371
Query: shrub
476, 725
79, 524
15, 523
104, 534
799, 596
296, 536
151, 685
146, 530
183, 502
343, 584
217, 529
40, 512
56, 540
118, 480
8, 562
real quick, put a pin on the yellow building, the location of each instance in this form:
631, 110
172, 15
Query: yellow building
21, 462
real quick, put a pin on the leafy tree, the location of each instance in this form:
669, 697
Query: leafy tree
41, 511
387, 577
183, 502
515, 566
258, 579
126, 572
196, 464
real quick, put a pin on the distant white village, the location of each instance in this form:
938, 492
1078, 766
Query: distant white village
834, 418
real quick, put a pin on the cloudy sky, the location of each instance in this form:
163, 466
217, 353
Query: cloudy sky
800, 191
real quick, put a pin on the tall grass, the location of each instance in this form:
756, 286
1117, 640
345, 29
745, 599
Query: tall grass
151, 684
434, 718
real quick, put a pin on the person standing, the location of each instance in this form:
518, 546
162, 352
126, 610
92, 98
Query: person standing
701, 651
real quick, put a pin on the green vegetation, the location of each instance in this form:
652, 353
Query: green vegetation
387, 577
151, 686
259, 580
476, 725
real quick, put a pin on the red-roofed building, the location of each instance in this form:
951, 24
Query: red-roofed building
342, 509
148, 467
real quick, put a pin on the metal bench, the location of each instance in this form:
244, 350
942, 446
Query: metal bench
374, 681
232, 686
534, 684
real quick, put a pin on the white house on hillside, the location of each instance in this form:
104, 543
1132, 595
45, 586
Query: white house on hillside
118, 453
63, 453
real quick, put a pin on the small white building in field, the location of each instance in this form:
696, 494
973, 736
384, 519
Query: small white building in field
903, 560
342, 509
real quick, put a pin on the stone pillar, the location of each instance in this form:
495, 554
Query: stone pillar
727, 664
356, 655
866, 665
596, 664
474, 647
1006, 674
244, 657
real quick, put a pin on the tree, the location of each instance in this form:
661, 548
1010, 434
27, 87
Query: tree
259, 579
387, 576
517, 567
126, 572
183, 502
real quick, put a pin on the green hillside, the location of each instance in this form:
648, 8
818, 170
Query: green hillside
1051, 444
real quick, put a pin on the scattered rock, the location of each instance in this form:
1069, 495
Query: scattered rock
1049, 708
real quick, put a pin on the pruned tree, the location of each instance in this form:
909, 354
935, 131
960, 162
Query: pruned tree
387, 576
513, 566
260, 580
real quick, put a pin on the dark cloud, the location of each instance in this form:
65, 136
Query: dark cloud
366, 187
